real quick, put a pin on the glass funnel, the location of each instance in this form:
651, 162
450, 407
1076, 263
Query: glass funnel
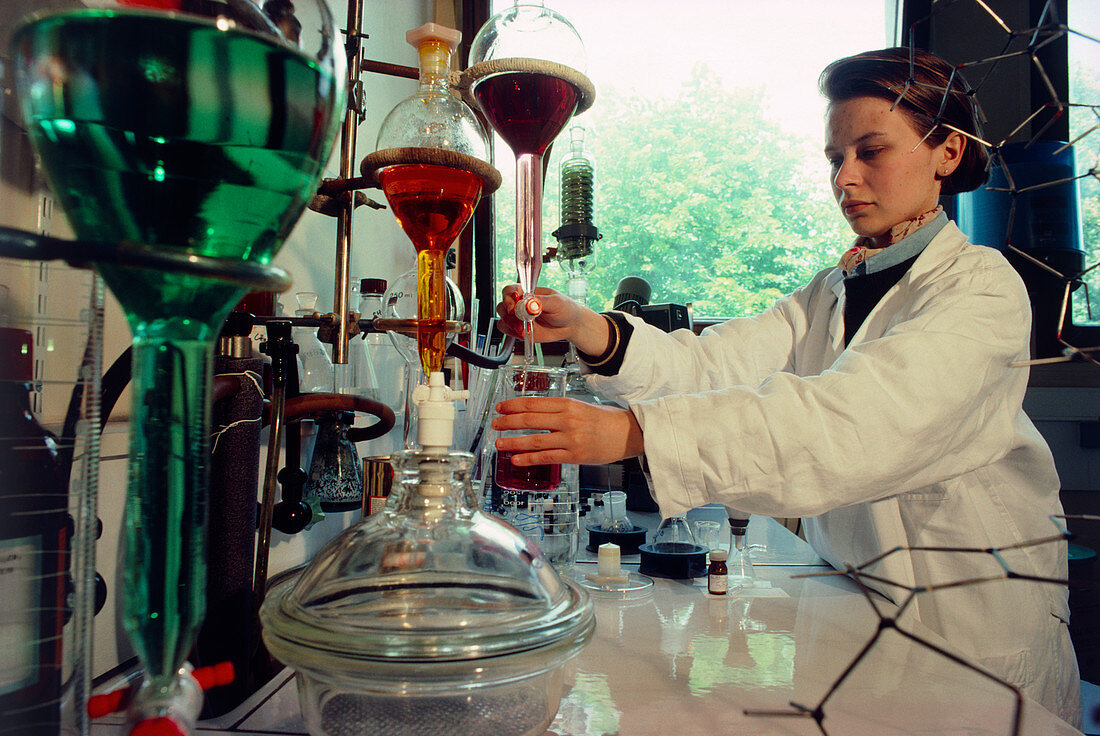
191, 129
527, 76
430, 163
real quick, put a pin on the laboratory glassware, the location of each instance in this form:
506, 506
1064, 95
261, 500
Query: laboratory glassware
741, 572
673, 553
536, 499
430, 162
401, 302
707, 533
387, 365
577, 234
429, 617
615, 526
527, 76
316, 374
335, 474
615, 518
718, 573
51, 351
194, 137
521, 381
672, 531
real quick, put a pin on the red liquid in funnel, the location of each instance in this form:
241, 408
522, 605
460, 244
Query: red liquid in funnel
432, 204
528, 110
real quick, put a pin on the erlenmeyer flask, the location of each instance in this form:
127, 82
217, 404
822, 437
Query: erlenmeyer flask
615, 518
741, 573
335, 476
672, 534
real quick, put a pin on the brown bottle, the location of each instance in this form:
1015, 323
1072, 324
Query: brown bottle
717, 583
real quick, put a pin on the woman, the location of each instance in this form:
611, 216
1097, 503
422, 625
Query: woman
880, 402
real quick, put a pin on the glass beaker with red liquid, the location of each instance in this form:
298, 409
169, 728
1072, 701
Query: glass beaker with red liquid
528, 380
534, 498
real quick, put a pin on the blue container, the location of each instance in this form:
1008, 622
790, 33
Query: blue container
1046, 222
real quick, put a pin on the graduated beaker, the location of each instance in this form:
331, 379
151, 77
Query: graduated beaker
537, 499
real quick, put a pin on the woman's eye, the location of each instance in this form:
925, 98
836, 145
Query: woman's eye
870, 152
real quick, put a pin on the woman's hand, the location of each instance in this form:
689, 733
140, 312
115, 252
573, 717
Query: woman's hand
561, 319
577, 433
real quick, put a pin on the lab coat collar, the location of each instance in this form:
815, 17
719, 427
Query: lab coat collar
946, 244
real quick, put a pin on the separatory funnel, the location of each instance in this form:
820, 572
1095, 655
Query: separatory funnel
431, 163
527, 76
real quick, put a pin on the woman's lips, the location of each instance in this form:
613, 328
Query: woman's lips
851, 208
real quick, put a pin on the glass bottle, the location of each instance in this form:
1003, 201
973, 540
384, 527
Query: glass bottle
335, 473
717, 573
315, 369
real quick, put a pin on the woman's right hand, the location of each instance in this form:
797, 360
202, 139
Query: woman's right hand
561, 318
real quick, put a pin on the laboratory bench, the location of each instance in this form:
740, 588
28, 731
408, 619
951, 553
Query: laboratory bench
680, 661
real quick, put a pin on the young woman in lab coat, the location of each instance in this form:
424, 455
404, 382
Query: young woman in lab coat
881, 402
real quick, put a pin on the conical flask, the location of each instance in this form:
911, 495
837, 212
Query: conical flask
335, 475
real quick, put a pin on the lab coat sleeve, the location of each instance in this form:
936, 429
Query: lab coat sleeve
932, 397
739, 351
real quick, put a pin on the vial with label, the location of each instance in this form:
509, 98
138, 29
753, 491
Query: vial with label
717, 583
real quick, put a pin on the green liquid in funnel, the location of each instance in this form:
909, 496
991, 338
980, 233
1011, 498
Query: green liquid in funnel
170, 132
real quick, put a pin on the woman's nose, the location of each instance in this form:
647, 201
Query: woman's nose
846, 174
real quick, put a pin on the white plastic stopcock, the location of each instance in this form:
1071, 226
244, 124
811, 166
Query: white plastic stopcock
436, 412
528, 308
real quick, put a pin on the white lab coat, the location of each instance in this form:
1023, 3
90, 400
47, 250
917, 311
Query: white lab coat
913, 435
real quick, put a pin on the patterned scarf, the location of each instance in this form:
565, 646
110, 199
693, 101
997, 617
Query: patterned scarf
863, 248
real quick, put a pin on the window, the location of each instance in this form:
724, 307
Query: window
1084, 117
707, 136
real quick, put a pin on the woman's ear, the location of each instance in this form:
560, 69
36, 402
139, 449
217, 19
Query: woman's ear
951, 151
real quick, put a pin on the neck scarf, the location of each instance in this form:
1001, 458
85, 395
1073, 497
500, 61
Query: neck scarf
865, 248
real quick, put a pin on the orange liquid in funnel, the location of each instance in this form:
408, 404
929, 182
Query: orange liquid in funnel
432, 204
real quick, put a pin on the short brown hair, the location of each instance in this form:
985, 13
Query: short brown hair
935, 97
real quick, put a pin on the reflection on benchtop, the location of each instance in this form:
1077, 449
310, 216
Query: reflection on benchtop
681, 661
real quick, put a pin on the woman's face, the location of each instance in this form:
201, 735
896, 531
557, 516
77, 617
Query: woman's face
881, 172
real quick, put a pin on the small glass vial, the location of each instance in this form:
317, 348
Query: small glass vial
717, 582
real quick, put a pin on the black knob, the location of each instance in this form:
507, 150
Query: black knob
291, 517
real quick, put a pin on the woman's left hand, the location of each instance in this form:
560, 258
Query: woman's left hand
573, 432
